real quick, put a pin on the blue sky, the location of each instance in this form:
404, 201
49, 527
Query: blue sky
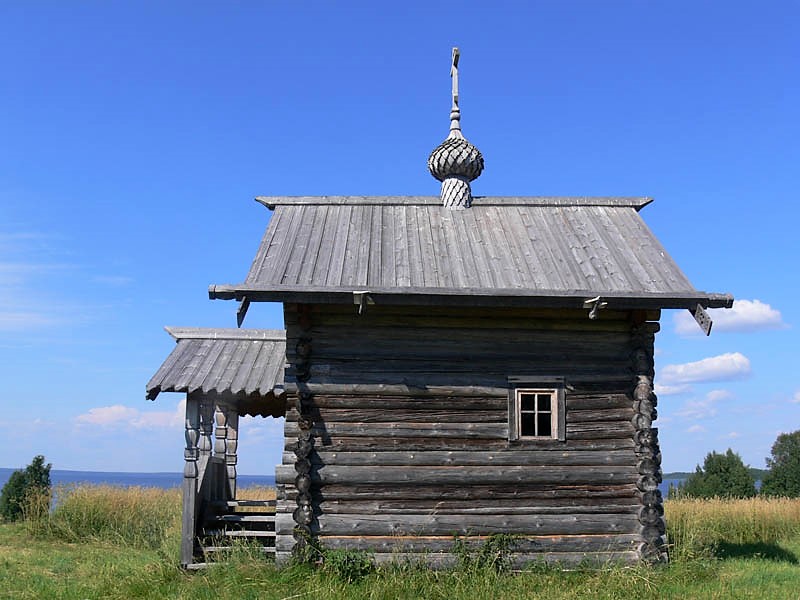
135, 135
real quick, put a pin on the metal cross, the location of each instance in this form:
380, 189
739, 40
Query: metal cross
454, 75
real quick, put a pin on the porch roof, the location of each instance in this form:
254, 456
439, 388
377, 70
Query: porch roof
240, 366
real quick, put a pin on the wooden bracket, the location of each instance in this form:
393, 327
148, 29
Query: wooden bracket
703, 319
242, 310
594, 305
361, 299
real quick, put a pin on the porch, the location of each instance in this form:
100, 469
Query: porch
226, 374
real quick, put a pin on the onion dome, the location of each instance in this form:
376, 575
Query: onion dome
455, 162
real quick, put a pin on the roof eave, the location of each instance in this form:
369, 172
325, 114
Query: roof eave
471, 297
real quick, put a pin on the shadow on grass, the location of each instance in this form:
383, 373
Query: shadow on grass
756, 550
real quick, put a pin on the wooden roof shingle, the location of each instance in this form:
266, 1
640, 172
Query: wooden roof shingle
244, 366
501, 251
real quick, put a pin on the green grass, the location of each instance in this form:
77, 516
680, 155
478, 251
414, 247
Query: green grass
734, 549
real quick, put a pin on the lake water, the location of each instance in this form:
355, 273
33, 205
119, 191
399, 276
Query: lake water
160, 480
169, 480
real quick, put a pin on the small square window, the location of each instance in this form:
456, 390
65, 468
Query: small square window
536, 412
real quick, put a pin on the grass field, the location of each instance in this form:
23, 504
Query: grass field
94, 545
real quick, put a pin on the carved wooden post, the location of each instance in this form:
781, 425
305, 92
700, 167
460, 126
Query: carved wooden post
206, 428
230, 450
220, 431
190, 454
651, 516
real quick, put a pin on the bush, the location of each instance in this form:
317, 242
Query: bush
348, 565
783, 478
22, 486
494, 554
722, 476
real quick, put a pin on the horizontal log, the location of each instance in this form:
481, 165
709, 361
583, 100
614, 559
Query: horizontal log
597, 401
610, 429
346, 443
506, 456
462, 475
373, 319
519, 561
399, 415
473, 493
407, 402
405, 430
340, 524
319, 312
496, 387
599, 415
445, 543
515, 506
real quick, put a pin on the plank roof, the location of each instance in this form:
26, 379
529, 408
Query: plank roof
244, 366
532, 251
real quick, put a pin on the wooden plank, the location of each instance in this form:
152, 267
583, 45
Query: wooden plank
354, 415
385, 402
445, 543
497, 507
637, 203
518, 561
540, 492
502, 457
472, 475
505, 297
599, 415
384, 525
348, 443
405, 430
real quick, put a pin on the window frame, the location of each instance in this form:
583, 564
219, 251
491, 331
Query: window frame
556, 386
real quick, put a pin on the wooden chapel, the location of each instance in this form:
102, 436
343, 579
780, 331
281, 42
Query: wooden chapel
451, 365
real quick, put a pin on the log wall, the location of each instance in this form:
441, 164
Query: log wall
408, 414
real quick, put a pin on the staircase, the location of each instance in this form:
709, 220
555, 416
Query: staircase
227, 522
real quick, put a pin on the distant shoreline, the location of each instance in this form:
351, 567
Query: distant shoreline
127, 479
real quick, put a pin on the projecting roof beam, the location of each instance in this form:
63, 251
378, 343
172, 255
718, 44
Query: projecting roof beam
703, 319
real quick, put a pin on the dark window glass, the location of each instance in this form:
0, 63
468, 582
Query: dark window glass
543, 420
544, 401
528, 424
528, 402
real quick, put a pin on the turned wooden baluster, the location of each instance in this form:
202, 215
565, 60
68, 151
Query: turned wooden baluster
190, 473
230, 450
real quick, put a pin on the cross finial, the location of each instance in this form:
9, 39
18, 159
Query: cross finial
455, 111
454, 75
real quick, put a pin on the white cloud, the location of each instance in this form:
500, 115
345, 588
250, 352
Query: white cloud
733, 435
696, 429
732, 365
746, 315
715, 395
671, 390
703, 408
117, 414
796, 397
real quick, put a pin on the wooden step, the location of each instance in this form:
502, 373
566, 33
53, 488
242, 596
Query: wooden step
244, 518
217, 549
239, 533
234, 504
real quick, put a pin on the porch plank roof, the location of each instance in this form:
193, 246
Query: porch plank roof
241, 365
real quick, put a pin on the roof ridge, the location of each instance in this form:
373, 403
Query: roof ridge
222, 333
635, 202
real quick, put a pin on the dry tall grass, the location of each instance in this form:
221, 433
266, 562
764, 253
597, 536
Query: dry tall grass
697, 526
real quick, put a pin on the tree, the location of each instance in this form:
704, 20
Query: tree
783, 478
35, 479
723, 476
